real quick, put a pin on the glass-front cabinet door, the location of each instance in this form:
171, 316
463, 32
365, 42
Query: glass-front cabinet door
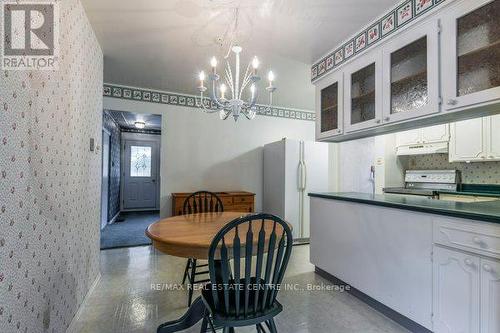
471, 54
363, 92
329, 105
411, 74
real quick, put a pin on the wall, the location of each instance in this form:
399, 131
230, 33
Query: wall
200, 151
114, 165
472, 173
353, 162
50, 183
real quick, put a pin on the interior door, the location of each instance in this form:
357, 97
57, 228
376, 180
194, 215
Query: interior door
140, 174
105, 179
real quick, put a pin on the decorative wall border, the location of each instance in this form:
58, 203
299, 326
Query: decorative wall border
398, 17
163, 97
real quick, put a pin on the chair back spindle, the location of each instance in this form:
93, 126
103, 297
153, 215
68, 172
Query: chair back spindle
266, 251
202, 202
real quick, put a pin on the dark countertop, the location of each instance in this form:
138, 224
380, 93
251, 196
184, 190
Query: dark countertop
479, 190
483, 211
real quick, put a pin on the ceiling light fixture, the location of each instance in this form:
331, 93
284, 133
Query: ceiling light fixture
140, 124
234, 104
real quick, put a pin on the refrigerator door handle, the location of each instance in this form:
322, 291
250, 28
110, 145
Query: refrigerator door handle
301, 182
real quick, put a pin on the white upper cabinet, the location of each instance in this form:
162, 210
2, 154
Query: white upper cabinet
493, 137
438, 133
475, 140
432, 134
471, 54
329, 115
363, 92
467, 141
411, 74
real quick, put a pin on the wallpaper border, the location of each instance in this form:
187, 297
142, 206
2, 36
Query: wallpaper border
399, 16
165, 97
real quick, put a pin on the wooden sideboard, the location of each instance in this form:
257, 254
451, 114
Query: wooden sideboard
233, 201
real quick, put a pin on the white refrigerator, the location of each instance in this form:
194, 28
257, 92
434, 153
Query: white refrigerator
292, 169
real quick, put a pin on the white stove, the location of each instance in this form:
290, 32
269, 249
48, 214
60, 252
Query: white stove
428, 182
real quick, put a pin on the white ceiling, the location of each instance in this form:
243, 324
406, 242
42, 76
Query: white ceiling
161, 44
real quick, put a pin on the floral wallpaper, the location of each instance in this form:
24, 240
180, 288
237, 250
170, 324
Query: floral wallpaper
50, 182
472, 173
114, 160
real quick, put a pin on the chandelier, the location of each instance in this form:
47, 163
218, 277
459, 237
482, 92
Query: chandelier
228, 90
234, 104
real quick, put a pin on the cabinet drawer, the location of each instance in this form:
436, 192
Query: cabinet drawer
240, 200
478, 237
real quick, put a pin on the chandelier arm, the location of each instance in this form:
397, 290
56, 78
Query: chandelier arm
246, 80
202, 105
229, 75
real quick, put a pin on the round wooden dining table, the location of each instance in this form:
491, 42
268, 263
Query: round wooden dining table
189, 236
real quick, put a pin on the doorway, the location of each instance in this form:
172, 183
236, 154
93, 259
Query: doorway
131, 146
140, 172
106, 137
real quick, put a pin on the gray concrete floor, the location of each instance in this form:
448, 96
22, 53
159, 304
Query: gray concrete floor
125, 301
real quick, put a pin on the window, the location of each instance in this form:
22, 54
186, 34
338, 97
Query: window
140, 161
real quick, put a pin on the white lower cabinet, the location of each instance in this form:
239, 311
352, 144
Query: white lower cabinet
466, 296
456, 292
490, 296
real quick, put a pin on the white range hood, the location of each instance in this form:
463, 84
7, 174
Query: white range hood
423, 148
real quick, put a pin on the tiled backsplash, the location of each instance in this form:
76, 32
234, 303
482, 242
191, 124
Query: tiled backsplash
472, 173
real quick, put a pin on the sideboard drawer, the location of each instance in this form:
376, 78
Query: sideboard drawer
478, 237
227, 201
242, 199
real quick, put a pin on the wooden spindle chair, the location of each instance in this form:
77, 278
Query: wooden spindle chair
199, 202
239, 295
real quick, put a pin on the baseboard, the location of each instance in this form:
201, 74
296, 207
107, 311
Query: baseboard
72, 326
380, 307
113, 219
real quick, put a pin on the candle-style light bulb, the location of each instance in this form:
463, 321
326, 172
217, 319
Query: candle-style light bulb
270, 77
255, 65
201, 76
213, 63
222, 89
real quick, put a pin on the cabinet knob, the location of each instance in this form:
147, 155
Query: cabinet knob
387, 118
492, 157
452, 102
468, 262
477, 240
487, 268
483, 156
377, 121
